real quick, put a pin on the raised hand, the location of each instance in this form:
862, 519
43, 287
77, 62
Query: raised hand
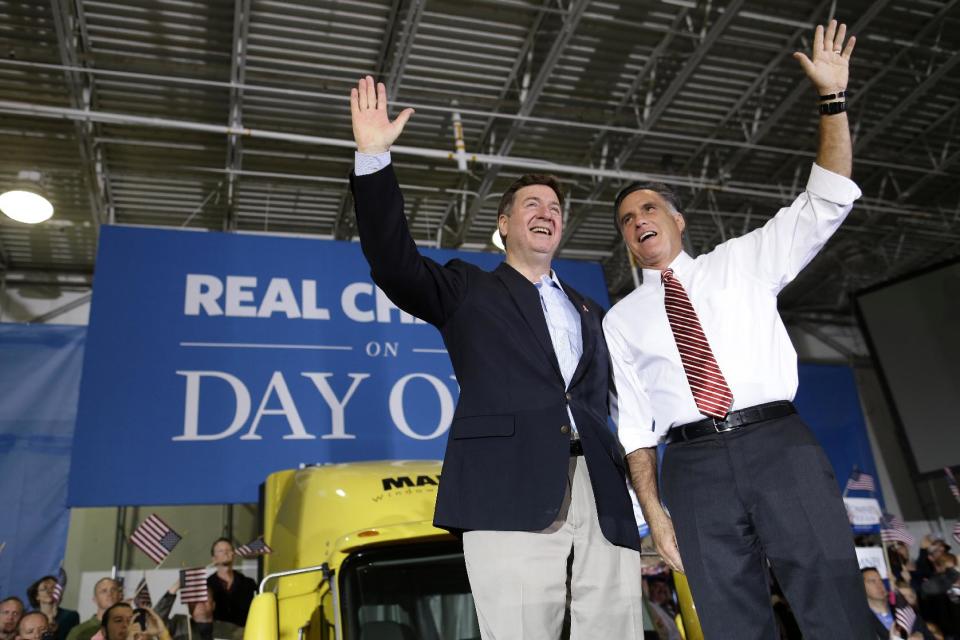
829, 68
372, 130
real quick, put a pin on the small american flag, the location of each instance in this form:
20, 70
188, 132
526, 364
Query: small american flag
952, 483
141, 597
60, 586
956, 531
256, 548
193, 585
859, 481
892, 529
155, 538
905, 617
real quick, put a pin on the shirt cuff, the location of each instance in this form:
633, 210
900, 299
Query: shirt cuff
365, 163
832, 187
637, 438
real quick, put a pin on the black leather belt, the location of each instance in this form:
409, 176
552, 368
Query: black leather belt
576, 448
734, 420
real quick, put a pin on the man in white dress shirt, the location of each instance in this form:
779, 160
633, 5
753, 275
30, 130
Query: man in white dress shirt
701, 360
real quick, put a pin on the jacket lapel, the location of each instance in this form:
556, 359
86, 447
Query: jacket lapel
527, 299
587, 334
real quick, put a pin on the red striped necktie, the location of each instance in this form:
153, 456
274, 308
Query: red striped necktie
710, 390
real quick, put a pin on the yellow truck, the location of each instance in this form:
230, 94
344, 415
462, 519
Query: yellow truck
356, 557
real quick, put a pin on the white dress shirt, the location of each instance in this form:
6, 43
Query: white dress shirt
734, 292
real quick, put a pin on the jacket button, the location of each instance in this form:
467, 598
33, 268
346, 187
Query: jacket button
568, 396
565, 429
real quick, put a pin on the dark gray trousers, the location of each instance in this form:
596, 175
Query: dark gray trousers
764, 492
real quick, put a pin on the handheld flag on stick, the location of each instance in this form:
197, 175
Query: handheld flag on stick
905, 617
60, 586
859, 481
956, 531
141, 597
155, 538
193, 585
952, 483
892, 529
255, 548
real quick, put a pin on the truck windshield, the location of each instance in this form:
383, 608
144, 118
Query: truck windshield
409, 592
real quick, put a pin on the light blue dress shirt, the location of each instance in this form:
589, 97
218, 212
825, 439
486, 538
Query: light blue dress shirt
563, 324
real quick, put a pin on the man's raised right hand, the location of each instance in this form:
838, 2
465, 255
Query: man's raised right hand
372, 130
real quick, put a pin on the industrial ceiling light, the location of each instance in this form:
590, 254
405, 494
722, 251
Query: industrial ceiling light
26, 201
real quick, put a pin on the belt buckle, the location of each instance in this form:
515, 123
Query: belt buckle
720, 425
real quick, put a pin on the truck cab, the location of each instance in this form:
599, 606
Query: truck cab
356, 557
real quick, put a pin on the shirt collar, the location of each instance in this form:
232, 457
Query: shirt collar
552, 278
680, 265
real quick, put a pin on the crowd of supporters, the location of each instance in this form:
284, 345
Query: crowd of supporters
929, 586
222, 614
925, 596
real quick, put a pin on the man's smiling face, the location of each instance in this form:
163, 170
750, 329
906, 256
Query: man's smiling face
535, 222
651, 229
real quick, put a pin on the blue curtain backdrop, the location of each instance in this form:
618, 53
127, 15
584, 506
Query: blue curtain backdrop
39, 381
829, 403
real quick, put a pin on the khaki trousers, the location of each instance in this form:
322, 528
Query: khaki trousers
519, 578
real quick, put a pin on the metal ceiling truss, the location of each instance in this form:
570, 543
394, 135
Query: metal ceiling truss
652, 116
571, 20
186, 104
74, 50
238, 66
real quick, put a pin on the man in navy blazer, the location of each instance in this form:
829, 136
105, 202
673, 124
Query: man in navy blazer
531, 474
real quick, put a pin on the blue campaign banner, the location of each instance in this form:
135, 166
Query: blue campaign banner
214, 359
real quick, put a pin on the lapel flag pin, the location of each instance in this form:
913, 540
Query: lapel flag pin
585, 310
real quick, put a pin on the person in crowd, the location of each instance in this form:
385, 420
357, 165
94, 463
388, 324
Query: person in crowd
528, 353
901, 565
940, 594
11, 610
34, 626
232, 591
200, 617
663, 610
146, 625
879, 603
106, 593
42, 595
701, 360
908, 594
116, 621
930, 549
935, 631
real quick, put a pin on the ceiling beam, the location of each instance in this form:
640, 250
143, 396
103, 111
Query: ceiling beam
404, 45
905, 103
74, 49
571, 20
238, 66
754, 87
637, 81
658, 109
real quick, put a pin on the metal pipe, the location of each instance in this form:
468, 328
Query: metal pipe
525, 164
325, 568
458, 143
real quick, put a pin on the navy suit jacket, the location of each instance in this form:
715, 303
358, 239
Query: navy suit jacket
508, 450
